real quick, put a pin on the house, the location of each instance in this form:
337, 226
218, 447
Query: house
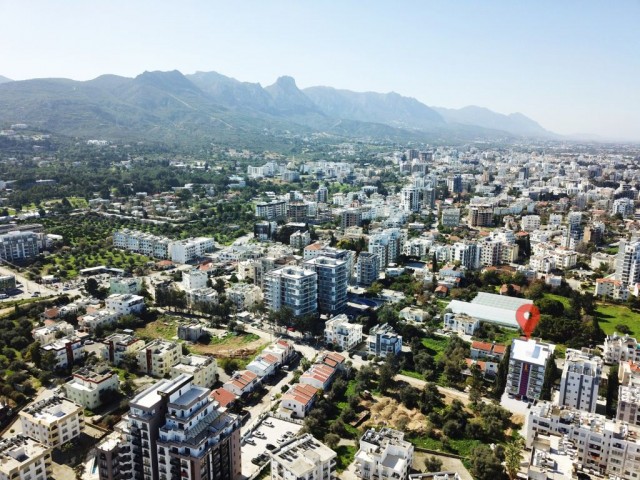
264, 365
298, 400
242, 383
224, 397
282, 350
340, 333
383, 341
486, 350
412, 314
190, 331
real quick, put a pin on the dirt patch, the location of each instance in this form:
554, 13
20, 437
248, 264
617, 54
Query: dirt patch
231, 346
388, 412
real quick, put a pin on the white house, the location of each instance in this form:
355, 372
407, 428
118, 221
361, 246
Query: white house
339, 332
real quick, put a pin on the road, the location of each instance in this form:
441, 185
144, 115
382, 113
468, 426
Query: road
449, 392
29, 286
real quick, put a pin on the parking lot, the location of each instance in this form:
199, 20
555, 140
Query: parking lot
271, 435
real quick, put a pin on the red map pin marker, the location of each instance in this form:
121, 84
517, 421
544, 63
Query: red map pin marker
528, 317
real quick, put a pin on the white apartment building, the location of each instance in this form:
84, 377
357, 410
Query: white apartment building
527, 365
332, 277
185, 251
53, 421
387, 245
124, 304
339, 332
282, 350
609, 287
300, 239
623, 206
264, 365
620, 348
87, 385
119, 344
530, 223
450, 217
491, 253
367, 268
203, 369
194, 279
66, 350
157, 357
20, 245
580, 380
202, 296
49, 333
304, 458
468, 254
628, 262
383, 341
90, 321
274, 210
243, 295
125, 285
461, 322
293, 287
384, 454
611, 448
24, 458
628, 410
180, 251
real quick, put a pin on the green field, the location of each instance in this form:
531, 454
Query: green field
435, 346
610, 316
563, 300
458, 447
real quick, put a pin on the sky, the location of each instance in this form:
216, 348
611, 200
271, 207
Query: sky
573, 66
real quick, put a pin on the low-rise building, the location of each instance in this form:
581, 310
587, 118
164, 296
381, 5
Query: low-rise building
264, 365
244, 295
383, 341
612, 288
49, 333
282, 350
485, 350
620, 348
304, 458
53, 421
24, 458
157, 357
242, 383
120, 344
88, 387
203, 369
383, 454
413, 314
339, 332
66, 351
124, 304
298, 400
190, 332
125, 285
461, 323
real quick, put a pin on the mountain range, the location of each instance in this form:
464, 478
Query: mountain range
173, 106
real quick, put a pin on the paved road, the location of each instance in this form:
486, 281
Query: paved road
29, 287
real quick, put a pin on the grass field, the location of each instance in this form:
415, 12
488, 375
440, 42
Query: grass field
610, 316
457, 447
435, 346
563, 300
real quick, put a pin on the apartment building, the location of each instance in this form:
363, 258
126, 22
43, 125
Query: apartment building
387, 245
628, 262
157, 357
530, 223
610, 448
191, 331
66, 351
124, 304
461, 322
88, 386
628, 410
243, 295
53, 421
173, 429
304, 458
383, 454
179, 251
125, 285
282, 350
480, 216
275, 210
612, 288
194, 279
367, 268
527, 365
300, 239
383, 341
450, 217
350, 217
50, 333
293, 287
620, 348
332, 283
119, 344
468, 254
20, 245
580, 380
24, 458
203, 369
339, 332
198, 440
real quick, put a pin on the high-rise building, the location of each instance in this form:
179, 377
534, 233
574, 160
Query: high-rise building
322, 194
174, 430
468, 254
16, 246
580, 380
480, 216
293, 287
367, 268
273, 210
332, 283
387, 245
527, 365
350, 217
410, 199
455, 184
628, 263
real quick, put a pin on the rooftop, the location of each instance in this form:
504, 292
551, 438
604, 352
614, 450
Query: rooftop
303, 455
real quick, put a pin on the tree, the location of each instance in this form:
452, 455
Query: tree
513, 457
434, 263
331, 439
485, 465
612, 390
433, 464
35, 354
550, 376
130, 362
385, 377
501, 377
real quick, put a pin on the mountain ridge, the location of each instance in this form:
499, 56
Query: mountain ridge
171, 104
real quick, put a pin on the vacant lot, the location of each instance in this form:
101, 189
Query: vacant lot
612, 315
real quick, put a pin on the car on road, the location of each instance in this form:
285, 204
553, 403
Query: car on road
271, 446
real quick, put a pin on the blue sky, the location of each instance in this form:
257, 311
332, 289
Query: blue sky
574, 66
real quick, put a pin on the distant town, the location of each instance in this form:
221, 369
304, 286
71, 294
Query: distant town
351, 310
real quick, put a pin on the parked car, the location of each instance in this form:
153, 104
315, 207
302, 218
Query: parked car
250, 441
271, 446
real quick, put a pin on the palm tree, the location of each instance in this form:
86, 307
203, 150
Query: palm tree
513, 456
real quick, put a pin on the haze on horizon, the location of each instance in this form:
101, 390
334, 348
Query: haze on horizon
572, 66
